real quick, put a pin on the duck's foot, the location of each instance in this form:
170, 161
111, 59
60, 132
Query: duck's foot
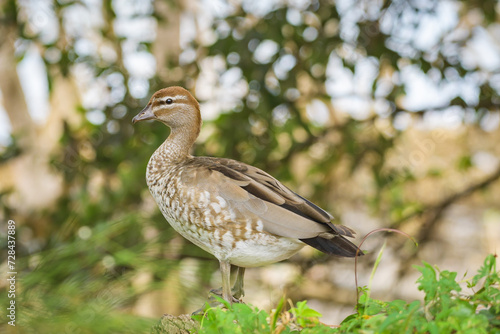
213, 301
236, 296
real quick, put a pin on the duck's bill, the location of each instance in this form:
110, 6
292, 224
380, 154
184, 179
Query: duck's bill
144, 115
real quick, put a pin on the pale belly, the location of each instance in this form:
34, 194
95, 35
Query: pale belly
252, 253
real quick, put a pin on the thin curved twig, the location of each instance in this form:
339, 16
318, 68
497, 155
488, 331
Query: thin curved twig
364, 239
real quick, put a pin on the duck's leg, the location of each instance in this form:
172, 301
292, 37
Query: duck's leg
238, 291
225, 269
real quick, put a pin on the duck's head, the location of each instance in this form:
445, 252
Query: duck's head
174, 107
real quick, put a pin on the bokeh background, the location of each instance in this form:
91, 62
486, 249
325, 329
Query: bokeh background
385, 113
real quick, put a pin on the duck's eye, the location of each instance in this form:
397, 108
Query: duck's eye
169, 101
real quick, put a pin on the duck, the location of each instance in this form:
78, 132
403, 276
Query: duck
240, 214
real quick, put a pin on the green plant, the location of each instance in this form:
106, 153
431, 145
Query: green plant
244, 318
236, 318
445, 309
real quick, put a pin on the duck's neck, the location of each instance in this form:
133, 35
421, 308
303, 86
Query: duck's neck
175, 149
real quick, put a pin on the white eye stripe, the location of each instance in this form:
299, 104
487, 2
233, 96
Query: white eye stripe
163, 106
178, 97
175, 98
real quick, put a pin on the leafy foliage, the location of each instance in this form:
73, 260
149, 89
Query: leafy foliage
444, 310
244, 318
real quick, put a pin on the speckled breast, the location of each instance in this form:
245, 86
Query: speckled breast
180, 208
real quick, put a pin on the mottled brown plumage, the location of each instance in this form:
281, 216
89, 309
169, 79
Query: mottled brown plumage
237, 212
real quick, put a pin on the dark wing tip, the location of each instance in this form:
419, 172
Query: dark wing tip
342, 230
336, 246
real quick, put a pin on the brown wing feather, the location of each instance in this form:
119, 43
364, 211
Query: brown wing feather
253, 194
293, 207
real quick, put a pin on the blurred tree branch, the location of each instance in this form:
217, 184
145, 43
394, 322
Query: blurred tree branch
435, 211
432, 216
13, 97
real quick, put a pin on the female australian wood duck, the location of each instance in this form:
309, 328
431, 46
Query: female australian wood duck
238, 213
